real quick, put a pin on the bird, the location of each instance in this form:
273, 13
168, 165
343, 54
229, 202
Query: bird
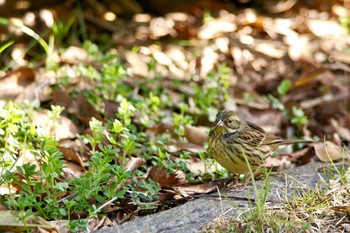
234, 143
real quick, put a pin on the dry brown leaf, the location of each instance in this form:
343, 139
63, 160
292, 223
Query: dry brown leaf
62, 98
60, 225
6, 189
25, 156
123, 216
303, 156
138, 63
134, 163
328, 151
270, 49
72, 170
342, 131
180, 146
340, 56
111, 207
175, 97
61, 128
203, 188
165, 196
201, 167
195, 189
71, 155
278, 163
97, 223
209, 58
15, 82
177, 55
159, 174
196, 134
111, 108
10, 223
74, 55
84, 110
310, 77
257, 100
215, 28
326, 28
161, 57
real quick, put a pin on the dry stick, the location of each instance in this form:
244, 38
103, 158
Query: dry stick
196, 196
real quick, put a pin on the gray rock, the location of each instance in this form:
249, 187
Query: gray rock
193, 215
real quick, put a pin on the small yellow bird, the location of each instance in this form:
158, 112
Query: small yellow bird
232, 138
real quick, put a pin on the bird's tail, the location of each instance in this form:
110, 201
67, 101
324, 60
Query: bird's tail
280, 142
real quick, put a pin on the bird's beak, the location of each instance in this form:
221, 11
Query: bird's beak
220, 123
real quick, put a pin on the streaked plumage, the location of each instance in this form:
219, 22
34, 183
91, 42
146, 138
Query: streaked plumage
231, 136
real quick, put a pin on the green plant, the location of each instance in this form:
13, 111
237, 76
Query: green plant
6, 45
283, 88
181, 120
144, 199
61, 30
297, 116
216, 89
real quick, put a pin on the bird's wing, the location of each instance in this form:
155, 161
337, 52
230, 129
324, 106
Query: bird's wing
253, 134
272, 139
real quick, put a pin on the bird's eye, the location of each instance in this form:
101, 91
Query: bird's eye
230, 121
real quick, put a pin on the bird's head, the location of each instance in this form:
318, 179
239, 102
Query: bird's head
230, 121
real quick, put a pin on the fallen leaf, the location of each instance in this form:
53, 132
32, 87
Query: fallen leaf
97, 223
186, 146
111, 207
278, 163
84, 110
61, 128
310, 77
60, 225
10, 223
71, 155
138, 63
303, 156
62, 98
74, 55
14, 83
72, 170
203, 188
202, 167
342, 131
123, 216
328, 151
326, 28
215, 28
134, 163
196, 134
111, 108
195, 189
160, 175
165, 196
178, 56
6, 189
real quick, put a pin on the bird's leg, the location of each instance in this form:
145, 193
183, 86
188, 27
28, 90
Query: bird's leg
236, 186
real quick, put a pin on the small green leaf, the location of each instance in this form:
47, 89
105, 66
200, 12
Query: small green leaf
284, 87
